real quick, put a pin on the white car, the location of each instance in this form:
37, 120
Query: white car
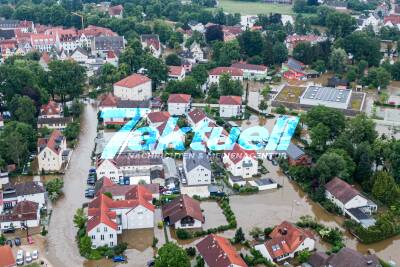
35, 255
20, 257
28, 257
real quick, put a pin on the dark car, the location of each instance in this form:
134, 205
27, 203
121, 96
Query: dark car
9, 242
118, 259
17, 241
91, 181
9, 230
176, 191
92, 170
90, 193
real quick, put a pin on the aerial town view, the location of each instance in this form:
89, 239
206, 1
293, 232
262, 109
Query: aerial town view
200, 133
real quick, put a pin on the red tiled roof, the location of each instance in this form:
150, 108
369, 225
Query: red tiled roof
162, 126
302, 38
286, 238
7, 257
179, 98
247, 66
341, 190
51, 142
23, 211
182, 207
115, 10
197, 115
393, 18
218, 252
94, 31
159, 116
51, 108
175, 70
229, 70
111, 54
108, 100
230, 100
132, 81
238, 153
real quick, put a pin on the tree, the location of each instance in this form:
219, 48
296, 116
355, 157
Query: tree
239, 236
173, 60
156, 69
378, 77
85, 245
363, 47
363, 158
225, 53
280, 53
171, 255
339, 24
304, 256
305, 53
199, 74
338, 60
67, 78
331, 118
256, 232
330, 165
251, 43
80, 218
385, 188
214, 33
227, 86
23, 109
71, 132
361, 129
108, 194
319, 135
54, 188
185, 86
263, 106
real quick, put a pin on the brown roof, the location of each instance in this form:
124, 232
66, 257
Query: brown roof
344, 258
7, 257
115, 10
197, 115
175, 70
52, 142
158, 116
51, 108
179, 98
237, 153
132, 81
341, 190
23, 211
229, 70
108, 100
246, 66
218, 252
182, 207
230, 100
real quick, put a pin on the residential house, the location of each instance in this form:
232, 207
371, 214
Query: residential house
54, 123
24, 214
296, 156
285, 241
252, 71
179, 104
134, 87
350, 201
7, 257
152, 42
345, 257
198, 118
116, 11
102, 44
296, 70
239, 180
197, 52
157, 118
80, 55
51, 110
293, 40
43, 42
231, 32
235, 73
128, 165
197, 168
183, 212
393, 20
4, 179
107, 217
240, 162
29, 191
230, 106
51, 150
176, 73
217, 251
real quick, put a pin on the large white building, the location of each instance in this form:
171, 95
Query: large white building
50, 152
28, 191
230, 106
134, 87
326, 96
108, 217
285, 241
235, 73
241, 162
25, 214
197, 168
179, 104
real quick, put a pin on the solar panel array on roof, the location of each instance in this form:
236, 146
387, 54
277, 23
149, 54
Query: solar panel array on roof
327, 94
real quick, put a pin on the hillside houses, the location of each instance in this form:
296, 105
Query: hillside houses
152, 42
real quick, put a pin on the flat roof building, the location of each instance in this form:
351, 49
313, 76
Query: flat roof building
326, 96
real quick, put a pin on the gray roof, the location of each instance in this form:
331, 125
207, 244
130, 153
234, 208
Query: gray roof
6, 34
114, 43
264, 181
81, 50
328, 94
294, 152
169, 168
9, 23
22, 189
349, 257
194, 158
236, 179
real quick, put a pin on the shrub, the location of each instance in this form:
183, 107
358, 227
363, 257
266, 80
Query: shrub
183, 234
191, 251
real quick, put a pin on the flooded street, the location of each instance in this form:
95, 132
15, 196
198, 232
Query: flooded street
62, 248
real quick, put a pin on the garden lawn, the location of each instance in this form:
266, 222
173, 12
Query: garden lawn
254, 8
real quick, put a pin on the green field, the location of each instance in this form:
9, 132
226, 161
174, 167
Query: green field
254, 8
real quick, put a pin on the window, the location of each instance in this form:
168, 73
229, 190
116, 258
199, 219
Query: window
102, 237
111, 235
98, 230
105, 229
111, 244
93, 237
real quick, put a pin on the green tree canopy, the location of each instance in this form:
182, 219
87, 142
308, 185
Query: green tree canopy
171, 255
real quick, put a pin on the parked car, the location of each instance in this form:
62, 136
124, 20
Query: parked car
167, 193
35, 255
28, 257
90, 193
20, 257
9, 242
274, 162
92, 170
9, 230
91, 181
176, 191
118, 259
17, 241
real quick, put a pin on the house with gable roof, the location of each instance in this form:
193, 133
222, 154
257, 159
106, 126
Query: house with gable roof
197, 167
230, 106
107, 217
240, 162
52, 152
252, 71
24, 214
51, 117
296, 70
152, 42
176, 73
116, 11
214, 74
157, 118
134, 87
30, 191
7, 257
198, 118
285, 241
217, 251
183, 212
352, 203
179, 104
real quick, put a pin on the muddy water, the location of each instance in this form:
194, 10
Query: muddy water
62, 248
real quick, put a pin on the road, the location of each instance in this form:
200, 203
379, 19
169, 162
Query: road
62, 249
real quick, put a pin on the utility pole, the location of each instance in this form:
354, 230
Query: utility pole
81, 16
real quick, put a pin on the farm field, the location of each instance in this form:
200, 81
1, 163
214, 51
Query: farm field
254, 8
